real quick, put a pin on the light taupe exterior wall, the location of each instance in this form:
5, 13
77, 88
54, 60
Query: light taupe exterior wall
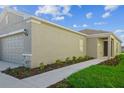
92, 47
117, 46
100, 48
95, 46
50, 43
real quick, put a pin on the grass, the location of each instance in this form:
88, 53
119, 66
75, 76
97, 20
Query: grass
97, 76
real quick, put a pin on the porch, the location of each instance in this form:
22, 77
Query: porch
106, 47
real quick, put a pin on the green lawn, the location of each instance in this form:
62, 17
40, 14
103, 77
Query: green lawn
97, 76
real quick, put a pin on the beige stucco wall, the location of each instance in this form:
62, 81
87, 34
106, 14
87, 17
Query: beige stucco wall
92, 47
100, 48
117, 46
95, 46
50, 43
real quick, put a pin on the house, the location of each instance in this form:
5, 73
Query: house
29, 41
122, 49
102, 43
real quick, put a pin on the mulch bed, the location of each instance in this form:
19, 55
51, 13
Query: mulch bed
111, 62
23, 72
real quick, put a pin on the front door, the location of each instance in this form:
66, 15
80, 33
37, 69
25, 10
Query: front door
105, 48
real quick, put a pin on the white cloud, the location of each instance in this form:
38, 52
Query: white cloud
110, 7
8, 6
89, 15
52, 10
118, 31
58, 18
100, 23
66, 10
106, 14
122, 39
79, 26
120, 34
84, 25
57, 12
80, 6
15, 8
2, 6
75, 26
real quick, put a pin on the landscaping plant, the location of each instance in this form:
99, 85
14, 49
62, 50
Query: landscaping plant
108, 74
22, 72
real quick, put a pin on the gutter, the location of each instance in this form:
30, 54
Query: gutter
13, 33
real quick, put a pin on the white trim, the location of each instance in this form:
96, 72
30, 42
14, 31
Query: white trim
98, 35
27, 54
12, 33
34, 21
104, 35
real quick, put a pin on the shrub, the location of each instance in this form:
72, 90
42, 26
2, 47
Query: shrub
74, 59
42, 66
79, 59
113, 61
67, 60
8, 69
59, 62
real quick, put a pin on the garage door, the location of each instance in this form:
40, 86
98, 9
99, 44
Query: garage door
12, 48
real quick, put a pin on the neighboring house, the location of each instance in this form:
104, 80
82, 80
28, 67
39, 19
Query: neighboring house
122, 49
29, 40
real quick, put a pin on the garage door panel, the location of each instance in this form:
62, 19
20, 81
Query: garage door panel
12, 48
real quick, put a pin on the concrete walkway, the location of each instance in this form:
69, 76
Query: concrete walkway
4, 65
52, 77
45, 79
7, 81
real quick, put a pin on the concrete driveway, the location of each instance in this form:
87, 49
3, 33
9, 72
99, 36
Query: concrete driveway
4, 65
7, 81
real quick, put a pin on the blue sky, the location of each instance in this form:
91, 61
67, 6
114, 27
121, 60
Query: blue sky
108, 18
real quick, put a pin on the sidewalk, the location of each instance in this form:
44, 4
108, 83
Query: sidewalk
7, 81
45, 79
54, 76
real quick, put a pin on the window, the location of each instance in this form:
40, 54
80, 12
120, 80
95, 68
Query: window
81, 45
6, 19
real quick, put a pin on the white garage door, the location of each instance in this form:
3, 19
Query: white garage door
12, 48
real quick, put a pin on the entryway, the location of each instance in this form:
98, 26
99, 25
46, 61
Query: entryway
105, 49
